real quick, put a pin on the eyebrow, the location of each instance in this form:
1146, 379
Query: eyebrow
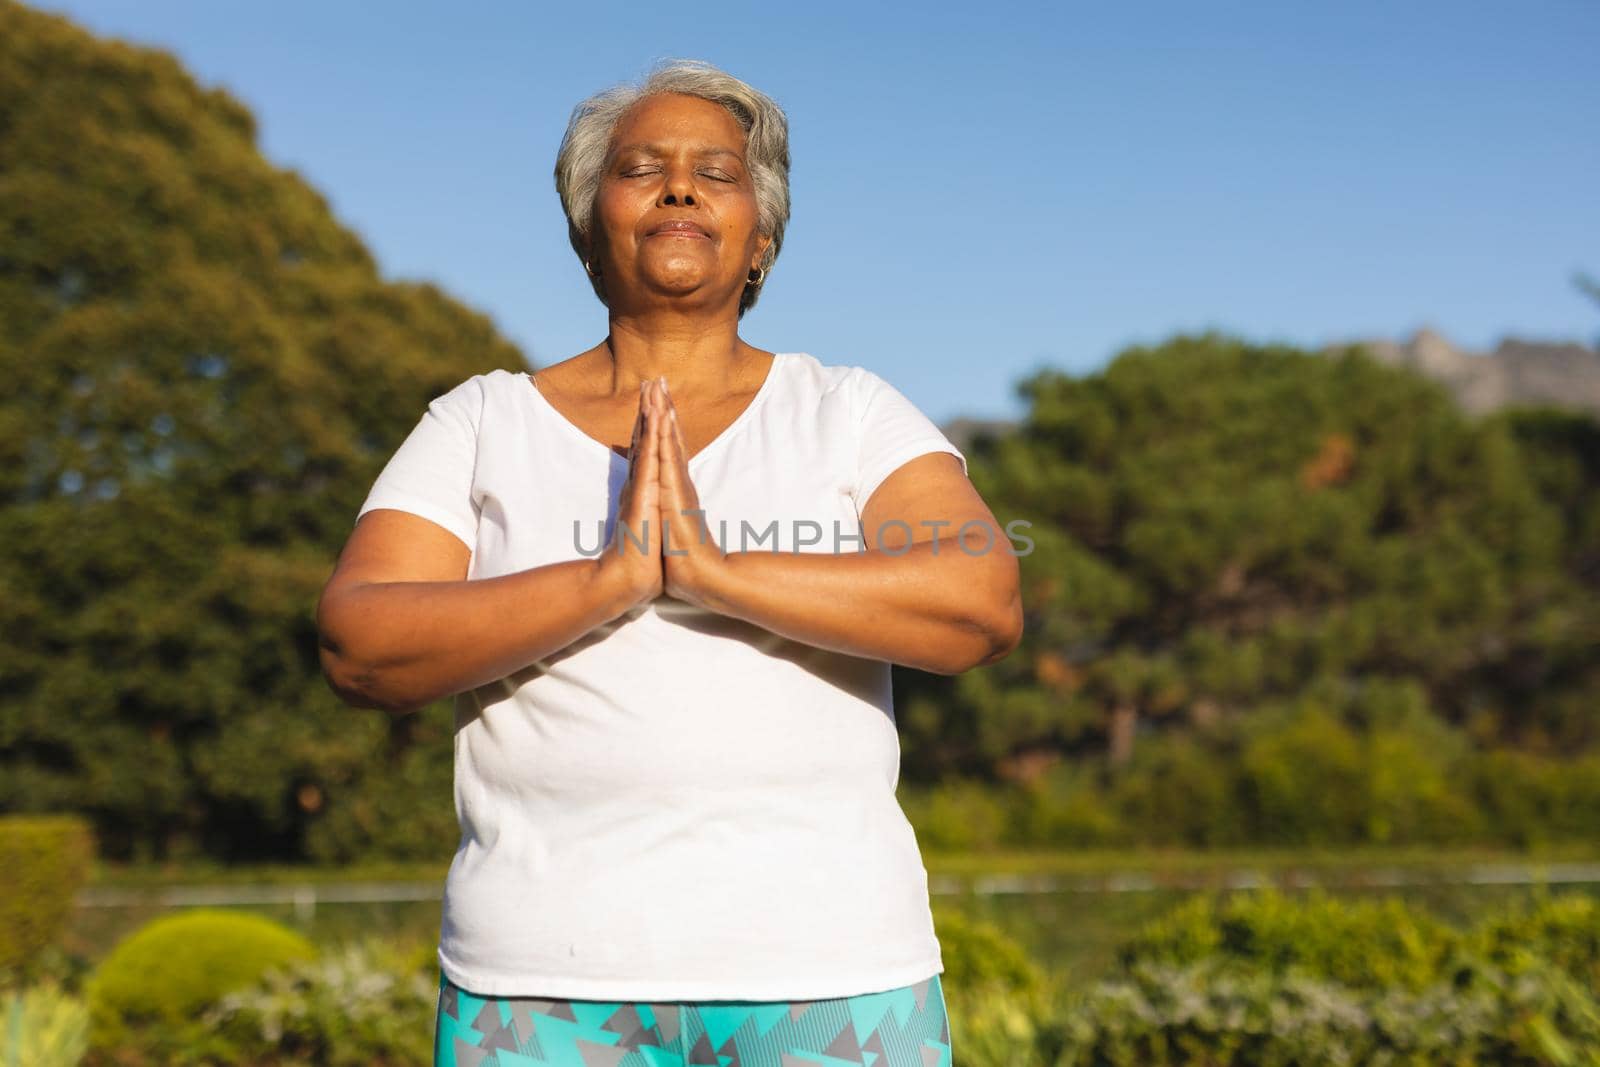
656, 150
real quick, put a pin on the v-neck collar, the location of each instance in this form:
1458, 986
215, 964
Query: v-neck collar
767, 384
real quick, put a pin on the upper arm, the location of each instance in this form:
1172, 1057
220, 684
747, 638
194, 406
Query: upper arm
909, 477
389, 545
420, 518
912, 487
931, 495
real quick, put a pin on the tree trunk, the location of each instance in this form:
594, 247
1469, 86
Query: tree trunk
1124, 721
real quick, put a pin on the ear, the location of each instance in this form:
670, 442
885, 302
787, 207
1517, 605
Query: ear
762, 241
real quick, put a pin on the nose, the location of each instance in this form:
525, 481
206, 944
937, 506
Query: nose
678, 188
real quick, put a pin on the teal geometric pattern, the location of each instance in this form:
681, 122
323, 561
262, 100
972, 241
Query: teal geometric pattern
905, 1027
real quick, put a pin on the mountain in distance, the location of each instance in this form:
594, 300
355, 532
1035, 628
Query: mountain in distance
1525, 373
1560, 374
962, 429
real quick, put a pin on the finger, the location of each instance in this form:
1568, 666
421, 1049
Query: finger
674, 442
633, 446
670, 453
651, 458
668, 444
669, 407
677, 484
677, 432
670, 473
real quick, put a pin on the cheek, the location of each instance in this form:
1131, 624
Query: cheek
615, 211
741, 215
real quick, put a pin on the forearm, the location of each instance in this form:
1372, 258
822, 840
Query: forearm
931, 606
401, 645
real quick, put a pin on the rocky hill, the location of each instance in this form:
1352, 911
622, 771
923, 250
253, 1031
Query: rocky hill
1563, 375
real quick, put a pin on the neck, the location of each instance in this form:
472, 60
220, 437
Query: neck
696, 357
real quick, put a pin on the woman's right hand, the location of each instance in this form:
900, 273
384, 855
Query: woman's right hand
639, 569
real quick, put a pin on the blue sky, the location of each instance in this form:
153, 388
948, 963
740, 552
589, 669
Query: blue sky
979, 190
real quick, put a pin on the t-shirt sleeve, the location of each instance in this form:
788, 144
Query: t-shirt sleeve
892, 431
431, 473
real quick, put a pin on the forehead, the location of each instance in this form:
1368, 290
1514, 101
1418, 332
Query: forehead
670, 120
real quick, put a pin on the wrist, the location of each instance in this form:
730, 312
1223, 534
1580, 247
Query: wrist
615, 585
709, 577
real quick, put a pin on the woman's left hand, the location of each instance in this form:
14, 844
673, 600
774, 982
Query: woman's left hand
691, 557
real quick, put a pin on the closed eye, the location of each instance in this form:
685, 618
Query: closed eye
641, 171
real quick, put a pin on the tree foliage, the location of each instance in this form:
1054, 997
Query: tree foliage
205, 372
1221, 527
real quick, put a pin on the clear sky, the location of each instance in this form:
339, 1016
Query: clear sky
978, 189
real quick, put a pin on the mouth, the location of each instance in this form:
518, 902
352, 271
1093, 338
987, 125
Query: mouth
680, 228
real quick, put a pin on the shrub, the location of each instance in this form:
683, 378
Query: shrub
1365, 944
978, 952
1305, 781
1410, 792
1201, 1013
44, 1027
1210, 1013
1561, 930
1178, 792
991, 1026
1269, 979
46, 860
957, 815
363, 1003
1528, 800
1065, 808
170, 969
997, 998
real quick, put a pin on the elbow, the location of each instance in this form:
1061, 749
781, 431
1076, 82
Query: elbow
1004, 632
348, 682
1001, 624
354, 681
361, 688
981, 640
338, 670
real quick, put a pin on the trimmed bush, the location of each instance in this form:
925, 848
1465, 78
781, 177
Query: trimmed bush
170, 969
46, 860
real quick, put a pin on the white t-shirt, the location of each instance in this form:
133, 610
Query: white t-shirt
679, 805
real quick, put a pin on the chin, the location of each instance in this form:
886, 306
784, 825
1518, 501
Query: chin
678, 281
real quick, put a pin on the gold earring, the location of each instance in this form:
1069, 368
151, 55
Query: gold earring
761, 276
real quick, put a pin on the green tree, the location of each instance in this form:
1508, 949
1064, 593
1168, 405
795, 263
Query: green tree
205, 372
1221, 526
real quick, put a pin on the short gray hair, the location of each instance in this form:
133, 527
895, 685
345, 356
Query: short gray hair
582, 157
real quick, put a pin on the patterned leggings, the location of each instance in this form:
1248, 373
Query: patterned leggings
904, 1027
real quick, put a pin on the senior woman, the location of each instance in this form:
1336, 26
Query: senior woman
665, 580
